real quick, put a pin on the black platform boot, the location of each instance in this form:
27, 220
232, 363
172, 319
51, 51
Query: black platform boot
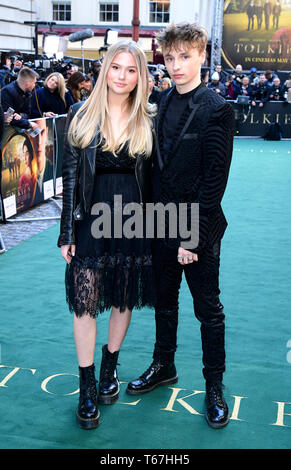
87, 413
108, 381
157, 374
217, 414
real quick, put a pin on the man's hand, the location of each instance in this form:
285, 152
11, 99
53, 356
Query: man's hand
16, 116
67, 251
186, 257
33, 125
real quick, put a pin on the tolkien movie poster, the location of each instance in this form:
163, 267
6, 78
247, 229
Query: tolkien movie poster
257, 34
27, 167
60, 123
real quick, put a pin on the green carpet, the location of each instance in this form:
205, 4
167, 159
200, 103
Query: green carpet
37, 406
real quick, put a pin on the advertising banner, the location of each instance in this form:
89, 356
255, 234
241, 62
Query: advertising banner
60, 123
27, 166
257, 34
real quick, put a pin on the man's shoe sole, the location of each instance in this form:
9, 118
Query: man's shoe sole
89, 423
172, 380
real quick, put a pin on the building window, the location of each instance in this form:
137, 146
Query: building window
109, 12
160, 11
62, 11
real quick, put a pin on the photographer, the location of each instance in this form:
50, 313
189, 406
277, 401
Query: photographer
17, 95
232, 89
238, 74
260, 91
276, 92
246, 89
216, 86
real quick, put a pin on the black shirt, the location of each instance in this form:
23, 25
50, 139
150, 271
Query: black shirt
176, 107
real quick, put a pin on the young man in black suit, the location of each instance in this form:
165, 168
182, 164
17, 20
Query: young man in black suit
194, 130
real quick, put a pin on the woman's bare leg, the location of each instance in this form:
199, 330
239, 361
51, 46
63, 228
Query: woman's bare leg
85, 330
118, 326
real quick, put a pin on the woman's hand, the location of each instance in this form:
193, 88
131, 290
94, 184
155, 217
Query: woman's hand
49, 114
67, 251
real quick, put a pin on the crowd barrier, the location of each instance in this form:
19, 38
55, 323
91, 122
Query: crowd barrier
31, 166
254, 121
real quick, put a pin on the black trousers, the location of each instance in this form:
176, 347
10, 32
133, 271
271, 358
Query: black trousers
203, 281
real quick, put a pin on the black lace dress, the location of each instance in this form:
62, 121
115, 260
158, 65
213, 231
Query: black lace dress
112, 270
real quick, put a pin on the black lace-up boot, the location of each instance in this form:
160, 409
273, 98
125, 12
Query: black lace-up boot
108, 381
217, 414
157, 374
88, 414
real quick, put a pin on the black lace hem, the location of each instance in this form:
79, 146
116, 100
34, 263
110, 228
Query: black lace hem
94, 285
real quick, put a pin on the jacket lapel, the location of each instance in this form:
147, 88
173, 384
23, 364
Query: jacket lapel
192, 109
159, 124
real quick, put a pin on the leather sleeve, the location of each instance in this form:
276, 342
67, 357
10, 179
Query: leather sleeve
70, 177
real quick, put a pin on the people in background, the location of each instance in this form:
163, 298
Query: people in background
87, 88
232, 88
238, 74
276, 92
253, 77
154, 93
75, 84
17, 95
260, 91
216, 86
52, 99
95, 71
246, 89
166, 83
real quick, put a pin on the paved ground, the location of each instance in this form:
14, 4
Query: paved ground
14, 233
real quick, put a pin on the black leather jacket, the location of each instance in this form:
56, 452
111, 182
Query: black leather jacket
78, 172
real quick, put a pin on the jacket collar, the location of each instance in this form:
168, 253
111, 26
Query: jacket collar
183, 123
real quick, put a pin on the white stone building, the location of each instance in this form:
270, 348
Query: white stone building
14, 34
99, 15
73, 15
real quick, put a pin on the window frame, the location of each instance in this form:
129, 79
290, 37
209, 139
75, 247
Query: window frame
58, 3
112, 12
155, 2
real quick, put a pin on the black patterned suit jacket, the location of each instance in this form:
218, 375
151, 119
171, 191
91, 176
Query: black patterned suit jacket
197, 168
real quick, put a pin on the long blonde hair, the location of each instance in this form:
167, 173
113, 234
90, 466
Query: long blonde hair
61, 84
93, 117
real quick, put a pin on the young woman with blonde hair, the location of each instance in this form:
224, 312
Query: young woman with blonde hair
107, 153
52, 98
